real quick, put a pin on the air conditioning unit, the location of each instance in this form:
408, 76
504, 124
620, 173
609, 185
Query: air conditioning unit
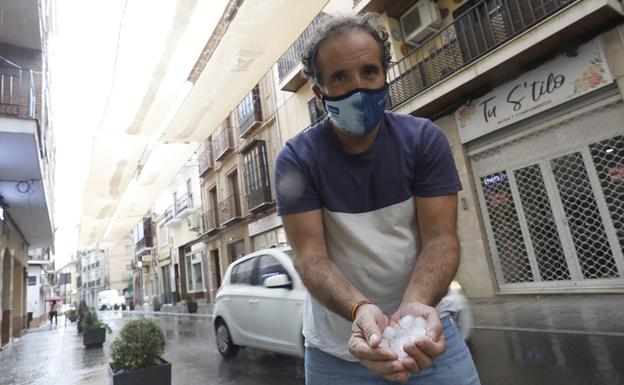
193, 221
420, 21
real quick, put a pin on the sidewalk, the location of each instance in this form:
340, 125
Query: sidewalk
45, 355
569, 313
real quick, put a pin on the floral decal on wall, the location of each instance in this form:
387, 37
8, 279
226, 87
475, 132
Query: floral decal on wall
591, 77
465, 113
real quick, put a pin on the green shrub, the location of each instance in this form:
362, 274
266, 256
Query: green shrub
138, 345
71, 314
83, 309
92, 322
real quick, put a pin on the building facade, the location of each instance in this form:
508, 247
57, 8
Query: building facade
39, 289
26, 155
181, 264
235, 167
66, 282
93, 275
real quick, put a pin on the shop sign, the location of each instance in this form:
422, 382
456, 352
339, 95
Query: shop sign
265, 224
553, 83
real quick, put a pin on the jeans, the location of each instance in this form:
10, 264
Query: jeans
453, 367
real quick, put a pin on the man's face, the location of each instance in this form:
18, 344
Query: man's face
348, 61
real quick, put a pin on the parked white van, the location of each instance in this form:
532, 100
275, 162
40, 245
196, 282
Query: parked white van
109, 298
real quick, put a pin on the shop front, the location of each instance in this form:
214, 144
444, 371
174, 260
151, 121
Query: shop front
547, 157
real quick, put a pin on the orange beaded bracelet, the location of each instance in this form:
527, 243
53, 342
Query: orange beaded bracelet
357, 305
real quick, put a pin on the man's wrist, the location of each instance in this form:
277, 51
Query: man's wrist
356, 306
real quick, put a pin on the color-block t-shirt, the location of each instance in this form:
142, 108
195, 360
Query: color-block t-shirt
369, 212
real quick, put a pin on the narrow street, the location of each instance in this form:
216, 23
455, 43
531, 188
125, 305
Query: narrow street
510, 357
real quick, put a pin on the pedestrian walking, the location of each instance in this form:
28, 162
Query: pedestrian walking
53, 313
368, 199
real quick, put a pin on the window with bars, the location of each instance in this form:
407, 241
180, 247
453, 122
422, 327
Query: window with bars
256, 176
249, 111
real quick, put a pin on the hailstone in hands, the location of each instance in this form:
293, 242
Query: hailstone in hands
408, 329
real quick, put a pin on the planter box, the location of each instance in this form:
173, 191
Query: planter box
154, 375
192, 307
94, 338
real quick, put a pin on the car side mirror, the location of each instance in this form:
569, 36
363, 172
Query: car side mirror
278, 281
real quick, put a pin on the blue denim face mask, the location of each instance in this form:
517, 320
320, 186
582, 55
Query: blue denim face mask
357, 112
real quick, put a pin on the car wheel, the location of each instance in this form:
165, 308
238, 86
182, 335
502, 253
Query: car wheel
224, 341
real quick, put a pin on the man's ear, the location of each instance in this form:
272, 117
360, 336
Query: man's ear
317, 91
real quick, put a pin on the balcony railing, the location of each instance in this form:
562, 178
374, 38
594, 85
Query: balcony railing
210, 221
259, 199
249, 112
206, 160
230, 209
480, 29
17, 91
145, 242
169, 213
223, 142
292, 57
184, 202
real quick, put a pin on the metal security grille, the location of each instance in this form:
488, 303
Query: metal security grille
583, 217
506, 228
541, 223
553, 202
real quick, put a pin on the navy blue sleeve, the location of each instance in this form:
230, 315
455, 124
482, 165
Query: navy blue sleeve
436, 173
293, 184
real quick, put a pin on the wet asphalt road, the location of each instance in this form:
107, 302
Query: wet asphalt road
502, 357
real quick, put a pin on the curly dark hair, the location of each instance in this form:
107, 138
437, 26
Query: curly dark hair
331, 25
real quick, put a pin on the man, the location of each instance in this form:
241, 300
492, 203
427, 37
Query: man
368, 200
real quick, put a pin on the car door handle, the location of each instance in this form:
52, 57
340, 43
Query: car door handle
253, 301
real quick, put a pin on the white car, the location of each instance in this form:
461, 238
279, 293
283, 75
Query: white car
260, 305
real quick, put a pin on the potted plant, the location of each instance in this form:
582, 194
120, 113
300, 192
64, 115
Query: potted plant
137, 355
83, 310
72, 315
116, 307
94, 330
123, 306
191, 304
131, 305
156, 303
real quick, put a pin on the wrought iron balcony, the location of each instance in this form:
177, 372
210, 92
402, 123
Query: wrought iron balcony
292, 57
483, 27
249, 112
258, 200
223, 142
230, 209
17, 91
145, 242
169, 213
206, 160
210, 222
183, 203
